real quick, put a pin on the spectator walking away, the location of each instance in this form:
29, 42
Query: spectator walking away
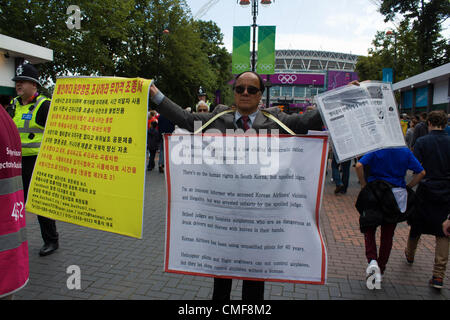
421, 129
336, 170
433, 151
248, 89
384, 200
14, 269
410, 131
164, 126
154, 139
30, 111
404, 123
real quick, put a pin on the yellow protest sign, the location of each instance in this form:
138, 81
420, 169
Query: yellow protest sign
90, 170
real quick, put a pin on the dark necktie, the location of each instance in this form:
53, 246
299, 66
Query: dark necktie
245, 120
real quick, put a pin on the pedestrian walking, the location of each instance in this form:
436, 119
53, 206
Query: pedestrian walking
410, 131
420, 129
154, 139
384, 200
164, 126
341, 174
433, 151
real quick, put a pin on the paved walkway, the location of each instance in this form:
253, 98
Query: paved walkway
119, 267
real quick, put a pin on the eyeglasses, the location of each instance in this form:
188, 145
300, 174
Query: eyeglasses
202, 110
250, 89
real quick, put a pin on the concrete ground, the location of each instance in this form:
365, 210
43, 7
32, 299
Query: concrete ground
118, 267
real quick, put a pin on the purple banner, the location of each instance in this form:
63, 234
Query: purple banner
338, 79
296, 78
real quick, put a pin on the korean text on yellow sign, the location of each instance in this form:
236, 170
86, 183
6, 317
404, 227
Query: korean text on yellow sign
90, 169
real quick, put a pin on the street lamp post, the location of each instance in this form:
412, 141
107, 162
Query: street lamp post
268, 85
254, 14
254, 25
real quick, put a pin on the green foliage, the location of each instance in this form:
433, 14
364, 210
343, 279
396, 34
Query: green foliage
125, 38
416, 45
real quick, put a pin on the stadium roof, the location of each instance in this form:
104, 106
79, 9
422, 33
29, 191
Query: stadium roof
313, 60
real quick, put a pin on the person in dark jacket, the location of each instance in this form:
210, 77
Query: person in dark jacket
154, 139
420, 129
164, 126
385, 199
433, 151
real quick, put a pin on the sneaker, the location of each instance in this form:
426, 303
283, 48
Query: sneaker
373, 270
409, 259
437, 283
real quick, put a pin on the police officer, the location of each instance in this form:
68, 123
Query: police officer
29, 111
202, 97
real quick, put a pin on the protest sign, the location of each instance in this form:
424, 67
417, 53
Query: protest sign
361, 119
90, 169
246, 206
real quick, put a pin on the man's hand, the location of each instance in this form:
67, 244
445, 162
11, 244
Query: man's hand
446, 227
153, 90
359, 168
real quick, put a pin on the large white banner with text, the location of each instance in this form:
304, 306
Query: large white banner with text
246, 206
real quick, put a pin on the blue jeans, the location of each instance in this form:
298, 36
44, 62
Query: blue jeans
345, 173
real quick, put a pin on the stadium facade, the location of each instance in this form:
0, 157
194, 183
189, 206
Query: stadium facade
302, 74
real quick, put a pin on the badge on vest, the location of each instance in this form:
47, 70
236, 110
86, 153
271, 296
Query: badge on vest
27, 116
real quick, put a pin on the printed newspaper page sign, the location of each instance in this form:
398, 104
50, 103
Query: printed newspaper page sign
90, 169
246, 206
361, 119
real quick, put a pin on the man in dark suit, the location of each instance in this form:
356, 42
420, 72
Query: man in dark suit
246, 105
248, 89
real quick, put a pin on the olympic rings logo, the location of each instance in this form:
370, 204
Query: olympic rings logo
242, 66
265, 67
287, 78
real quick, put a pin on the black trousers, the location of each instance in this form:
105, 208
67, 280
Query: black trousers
48, 226
251, 290
151, 159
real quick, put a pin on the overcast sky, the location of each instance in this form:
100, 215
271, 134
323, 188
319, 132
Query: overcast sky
346, 26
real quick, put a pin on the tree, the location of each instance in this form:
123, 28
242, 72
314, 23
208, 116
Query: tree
427, 18
406, 50
218, 57
123, 38
90, 50
397, 51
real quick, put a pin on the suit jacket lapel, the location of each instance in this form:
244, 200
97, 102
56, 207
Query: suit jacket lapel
259, 121
228, 120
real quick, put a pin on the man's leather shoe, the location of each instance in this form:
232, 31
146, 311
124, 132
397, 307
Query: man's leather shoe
48, 248
338, 189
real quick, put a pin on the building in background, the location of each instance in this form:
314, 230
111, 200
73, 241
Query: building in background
302, 74
426, 91
14, 52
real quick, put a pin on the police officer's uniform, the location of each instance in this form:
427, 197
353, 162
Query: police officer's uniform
30, 118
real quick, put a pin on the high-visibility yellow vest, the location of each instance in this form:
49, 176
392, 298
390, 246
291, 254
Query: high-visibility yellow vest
30, 132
